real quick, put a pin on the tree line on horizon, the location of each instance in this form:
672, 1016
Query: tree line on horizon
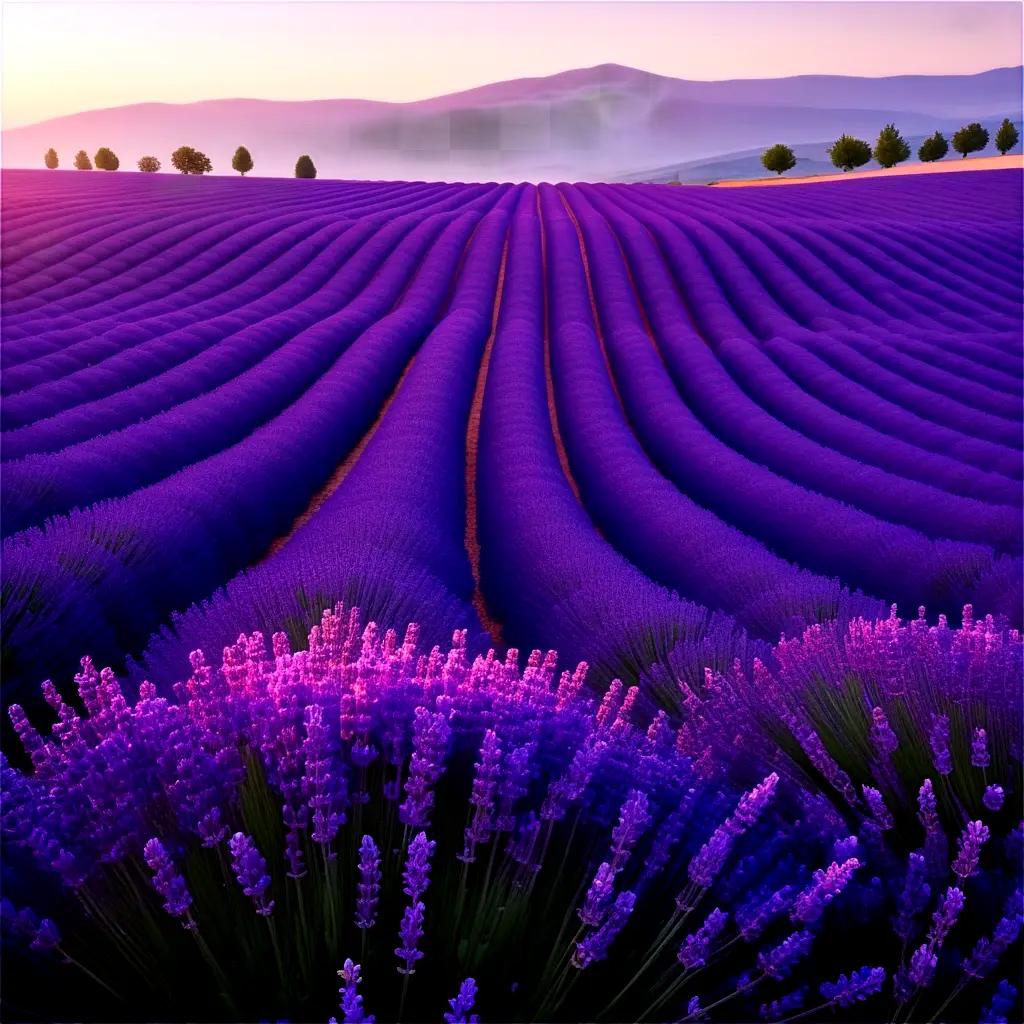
848, 152
185, 160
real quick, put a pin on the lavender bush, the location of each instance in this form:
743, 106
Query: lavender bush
369, 830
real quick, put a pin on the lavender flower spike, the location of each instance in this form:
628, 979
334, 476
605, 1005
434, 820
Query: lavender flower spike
998, 1011
167, 881
980, 757
876, 804
633, 819
594, 947
694, 951
993, 798
824, 888
351, 1000
368, 886
859, 986
462, 1004
599, 896
972, 840
417, 866
780, 960
950, 905
939, 740
251, 871
410, 932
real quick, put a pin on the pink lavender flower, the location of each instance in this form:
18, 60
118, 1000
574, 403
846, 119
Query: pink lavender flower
860, 985
827, 884
754, 803
462, 1005
696, 946
251, 871
167, 881
973, 838
368, 886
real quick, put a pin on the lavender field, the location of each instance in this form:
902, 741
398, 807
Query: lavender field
753, 456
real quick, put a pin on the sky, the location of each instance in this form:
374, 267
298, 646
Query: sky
59, 58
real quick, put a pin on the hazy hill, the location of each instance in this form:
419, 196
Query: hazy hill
588, 123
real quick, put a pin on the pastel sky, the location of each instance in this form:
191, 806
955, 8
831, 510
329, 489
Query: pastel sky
59, 58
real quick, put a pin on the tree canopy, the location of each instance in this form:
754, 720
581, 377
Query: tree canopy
891, 148
106, 159
242, 161
847, 152
1006, 136
970, 139
50, 159
190, 161
149, 164
778, 158
935, 147
82, 161
304, 167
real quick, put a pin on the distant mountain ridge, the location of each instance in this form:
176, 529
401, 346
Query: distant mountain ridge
587, 123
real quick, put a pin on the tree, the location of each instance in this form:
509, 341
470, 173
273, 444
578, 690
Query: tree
778, 158
106, 159
935, 147
1006, 137
190, 161
847, 152
241, 161
304, 167
149, 164
50, 159
82, 161
969, 139
891, 148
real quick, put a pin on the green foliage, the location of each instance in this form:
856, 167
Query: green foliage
1006, 137
106, 159
778, 158
242, 161
304, 167
82, 161
847, 152
149, 164
970, 139
50, 159
891, 148
190, 161
935, 147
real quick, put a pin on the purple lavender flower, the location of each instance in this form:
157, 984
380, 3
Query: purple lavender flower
927, 808
938, 738
778, 961
881, 733
462, 1005
914, 898
47, 935
594, 946
1001, 1007
293, 854
430, 738
482, 796
368, 886
710, 858
351, 1001
950, 904
599, 896
784, 1006
859, 986
410, 932
167, 881
696, 946
633, 820
876, 805
980, 757
754, 802
694, 1011
752, 918
251, 871
416, 876
973, 838
826, 885
993, 798
922, 967
987, 952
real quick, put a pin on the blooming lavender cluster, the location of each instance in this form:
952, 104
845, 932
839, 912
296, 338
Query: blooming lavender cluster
471, 838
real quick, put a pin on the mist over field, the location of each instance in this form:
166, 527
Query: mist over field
587, 124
